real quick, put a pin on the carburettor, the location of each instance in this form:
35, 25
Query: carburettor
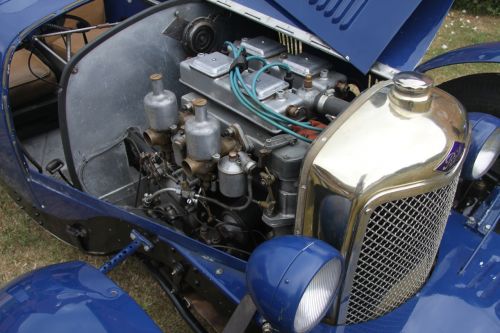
161, 110
203, 139
191, 139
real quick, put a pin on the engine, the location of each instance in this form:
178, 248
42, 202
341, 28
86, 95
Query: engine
234, 149
240, 140
258, 141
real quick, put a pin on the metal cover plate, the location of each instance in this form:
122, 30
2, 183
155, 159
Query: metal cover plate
267, 85
212, 64
304, 64
262, 46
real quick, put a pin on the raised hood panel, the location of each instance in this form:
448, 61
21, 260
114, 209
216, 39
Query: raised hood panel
392, 32
358, 29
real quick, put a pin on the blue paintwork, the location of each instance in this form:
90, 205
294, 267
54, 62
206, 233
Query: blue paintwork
118, 10
448, 301
16, 16
339, 23
65, 202
487, 215
71, 297
138, 240
400, 40
413, 40
277, 282
482, 127
480, 53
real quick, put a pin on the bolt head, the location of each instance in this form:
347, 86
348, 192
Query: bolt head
156, 77
199, 102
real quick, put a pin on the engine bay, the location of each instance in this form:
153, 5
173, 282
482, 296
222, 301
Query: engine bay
199, 119
226, 169
209, 128
205, 131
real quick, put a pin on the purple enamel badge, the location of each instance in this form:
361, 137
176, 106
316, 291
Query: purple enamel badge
452, 158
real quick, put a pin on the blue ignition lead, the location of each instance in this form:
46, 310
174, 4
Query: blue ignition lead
241, 98
262, 105
266, 114
268, 111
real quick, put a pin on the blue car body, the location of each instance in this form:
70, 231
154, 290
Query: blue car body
462, 295
70, 297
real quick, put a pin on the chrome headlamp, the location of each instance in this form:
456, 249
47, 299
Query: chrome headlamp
485, 145
293, 281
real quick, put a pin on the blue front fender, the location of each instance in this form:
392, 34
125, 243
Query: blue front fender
71, 297
479, 53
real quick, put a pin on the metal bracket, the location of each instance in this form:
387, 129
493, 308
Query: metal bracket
486, 215
138, 240
487, 218
242, 316
279, 141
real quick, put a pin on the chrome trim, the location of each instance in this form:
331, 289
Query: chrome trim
342, 306
49, 50
383, 70
380, 149
79, 30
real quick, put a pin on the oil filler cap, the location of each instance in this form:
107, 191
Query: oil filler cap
412, 91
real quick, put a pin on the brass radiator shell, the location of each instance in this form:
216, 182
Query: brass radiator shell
388, 145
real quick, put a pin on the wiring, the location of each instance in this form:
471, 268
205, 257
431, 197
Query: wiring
220, 204
36, 75
270, 118
254, 104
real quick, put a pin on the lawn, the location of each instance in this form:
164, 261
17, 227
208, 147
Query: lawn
25, 246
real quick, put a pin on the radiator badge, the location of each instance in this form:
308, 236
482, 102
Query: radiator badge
452, 158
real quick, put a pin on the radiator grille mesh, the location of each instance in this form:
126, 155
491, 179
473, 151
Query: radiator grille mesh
399, 247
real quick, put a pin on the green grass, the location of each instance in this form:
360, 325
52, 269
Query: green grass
25, 246
459, 30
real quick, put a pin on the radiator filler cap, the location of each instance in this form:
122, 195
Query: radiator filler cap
412, 91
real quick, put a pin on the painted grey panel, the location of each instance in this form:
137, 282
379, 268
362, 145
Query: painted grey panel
104, 95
